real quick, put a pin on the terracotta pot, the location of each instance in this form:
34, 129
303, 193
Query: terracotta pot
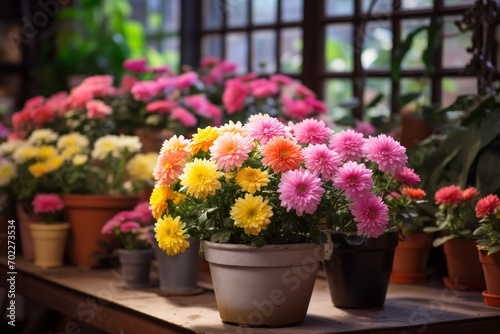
464, 268
269, 286
136, 266
152, 139
359, 270
414, 130
491, 268
25, 219
410, 258
87, 214
49, 242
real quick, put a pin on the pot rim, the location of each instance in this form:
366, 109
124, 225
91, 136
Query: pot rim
52, 226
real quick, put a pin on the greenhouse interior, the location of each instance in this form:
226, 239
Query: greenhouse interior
221, 166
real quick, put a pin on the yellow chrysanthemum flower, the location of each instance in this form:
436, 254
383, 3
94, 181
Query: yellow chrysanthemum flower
79, 159
178, 198
171, 235
251, 179
7, 172
24, 153
158, 199
74, 139
203, 139
70, 151
106, 145
42, 136
39, 169
251, 213
46, 151
201, 178
142, 166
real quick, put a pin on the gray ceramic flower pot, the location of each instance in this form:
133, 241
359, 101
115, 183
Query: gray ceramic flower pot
136, 266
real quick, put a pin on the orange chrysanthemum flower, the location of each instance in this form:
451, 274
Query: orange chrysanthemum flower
282, 154
169, 167
469, 193
414, 194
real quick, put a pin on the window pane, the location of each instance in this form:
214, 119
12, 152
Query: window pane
455, 44
212, 13
264, 51
172, 15
374, 87
416, 4
171, 50
458, 2
339, 7
292, 10
338, 47
413, 58
338, 91
453, 87
264, 11
381, 6
416, 85
377, 45
291, 50
237, 13
237, 50
211, 45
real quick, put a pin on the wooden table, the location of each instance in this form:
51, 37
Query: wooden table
99, 298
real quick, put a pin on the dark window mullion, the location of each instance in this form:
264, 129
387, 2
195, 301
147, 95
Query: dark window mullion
224, 29
436, 78
249, 29
358, 77
278, 36
396, 40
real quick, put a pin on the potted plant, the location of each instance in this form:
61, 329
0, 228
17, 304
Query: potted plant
488, 209
49, 235
132, 230
455, 223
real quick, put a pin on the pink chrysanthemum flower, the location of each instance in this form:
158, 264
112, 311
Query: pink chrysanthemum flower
469, 193
161, 107
448, 195
44, 203
300, 190
186, 80
487, 205
234, 95
296, 109
354, 179
183, 116
144, 213
348, 144
371, 214
407, 176
311, 131
364, 128
176, 144
169, 167
129, 226
386, 152
264, 127
98, 109
263, 88
320, 160
230, 150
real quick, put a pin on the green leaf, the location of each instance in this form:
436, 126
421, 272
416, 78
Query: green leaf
431, 229
401, 52
333, 219
407, 98
493, 249
434, 40
376, 100
480, 231
221, 236
439, 241
258, 242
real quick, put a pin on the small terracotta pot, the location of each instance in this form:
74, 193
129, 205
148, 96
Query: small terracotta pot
152, 139
49, 241
410, 258
87, 214
464, 269
414, 130
491, 268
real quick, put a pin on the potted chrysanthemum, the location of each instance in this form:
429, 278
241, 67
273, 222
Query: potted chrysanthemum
257, 194
488, 209
455, 222
49, 236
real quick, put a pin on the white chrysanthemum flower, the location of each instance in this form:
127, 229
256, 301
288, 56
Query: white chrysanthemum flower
106, 145
7, 172
24, 152
42, 136
10, 146
79, 159
73, 139
131, 143
142, 166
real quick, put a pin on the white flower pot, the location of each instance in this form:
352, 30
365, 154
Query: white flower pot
49, 242
269, 286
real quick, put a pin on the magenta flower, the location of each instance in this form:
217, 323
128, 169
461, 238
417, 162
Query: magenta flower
161, 107
264, 127
186, 80
47, 203
407, 176
208, 62
317, 105
311, 131
281, 79
135, 65
263, 88
297, 109
320, 160
234, 95
371, 214
97, 109
230, 150
129, 226
364, 128
348, 144
300, 190
203, 107
145, 90
386, 152
303, 92
354, 179
144, 213
117, 219
183, 116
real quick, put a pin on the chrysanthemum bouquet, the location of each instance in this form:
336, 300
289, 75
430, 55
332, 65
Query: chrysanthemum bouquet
488, 209
267, 183
131, 228
49, 205
455, 215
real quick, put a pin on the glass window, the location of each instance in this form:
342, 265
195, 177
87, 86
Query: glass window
292, 10
170, 47
413, 58
416, 4
172, 15
377, 45
291, 50
237, 13
454, 87
264, 51
264, 11
374, 87
458, 2
212, 13
338, 47
339, 7
337, 92
211, 45
381, 6
455, 44
237, 50
416, 85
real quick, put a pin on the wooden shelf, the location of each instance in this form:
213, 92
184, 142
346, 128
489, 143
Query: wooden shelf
99, 298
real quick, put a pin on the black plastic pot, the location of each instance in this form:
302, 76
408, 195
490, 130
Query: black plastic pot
359, 270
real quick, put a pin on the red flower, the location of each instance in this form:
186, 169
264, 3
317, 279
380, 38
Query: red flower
414, 194
487, 205
469, 193
449, 195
